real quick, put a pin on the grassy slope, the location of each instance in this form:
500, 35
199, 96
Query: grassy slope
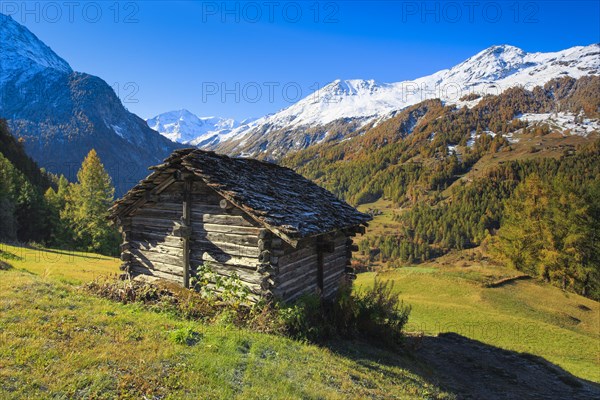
522, 316
59, 342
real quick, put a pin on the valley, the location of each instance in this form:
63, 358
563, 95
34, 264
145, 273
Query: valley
482, 180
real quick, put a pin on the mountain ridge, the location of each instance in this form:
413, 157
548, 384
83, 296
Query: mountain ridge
361, 101
61, 114
185, 127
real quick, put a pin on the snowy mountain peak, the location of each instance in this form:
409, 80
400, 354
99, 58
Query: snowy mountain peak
351, 87
23, 53
493, 63
490, 71
503, 50
184, 126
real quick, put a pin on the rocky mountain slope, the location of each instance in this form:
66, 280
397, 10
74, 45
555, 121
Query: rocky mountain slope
344, 106
61, 114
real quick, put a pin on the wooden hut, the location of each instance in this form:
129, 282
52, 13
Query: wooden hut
282, 234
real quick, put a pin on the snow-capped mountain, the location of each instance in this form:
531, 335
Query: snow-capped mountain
361, 101
61, 114
23, 54
185, 127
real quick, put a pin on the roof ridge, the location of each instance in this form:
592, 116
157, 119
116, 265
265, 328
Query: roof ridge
277, 197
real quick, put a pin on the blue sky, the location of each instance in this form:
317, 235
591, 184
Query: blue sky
244, 59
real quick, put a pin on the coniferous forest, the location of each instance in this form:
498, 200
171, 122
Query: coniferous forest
39, 207
424, 160
537, 212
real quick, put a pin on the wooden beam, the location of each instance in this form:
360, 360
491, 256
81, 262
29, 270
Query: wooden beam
320, 265
265, 256
326, 246
264, 244
187, 221
157, 190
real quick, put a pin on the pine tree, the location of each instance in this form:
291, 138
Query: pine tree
86, 207
523, 231
56, 200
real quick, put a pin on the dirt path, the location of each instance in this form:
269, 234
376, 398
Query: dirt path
474, 370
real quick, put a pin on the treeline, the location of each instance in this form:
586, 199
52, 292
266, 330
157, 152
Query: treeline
412, 158
36, 206
544, 215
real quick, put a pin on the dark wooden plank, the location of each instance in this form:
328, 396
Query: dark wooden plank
242, 244
138, 269
309, 276
296, 255
156, 238
165, 214
221, 219
138, 221
238, 230
229, 248
159, 266
289, 295
154, 256
217, 237
187, 220
158, 248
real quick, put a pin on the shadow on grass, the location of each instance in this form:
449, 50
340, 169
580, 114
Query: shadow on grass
7, 255
471, 369
4, 266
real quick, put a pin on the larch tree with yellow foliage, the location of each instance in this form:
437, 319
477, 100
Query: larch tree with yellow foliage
86, 208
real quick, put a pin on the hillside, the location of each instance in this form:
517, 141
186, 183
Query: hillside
442, 177
451, 294
22, 186
342, 107
71, 344
427, 146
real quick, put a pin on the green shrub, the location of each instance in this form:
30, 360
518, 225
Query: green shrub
186, 336
380, 312
306, 319
373, 313
214, 286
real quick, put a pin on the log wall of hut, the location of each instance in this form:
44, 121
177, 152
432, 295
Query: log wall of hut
153, 248
230, 241
335, 263
297, 270
317, 264
225, 237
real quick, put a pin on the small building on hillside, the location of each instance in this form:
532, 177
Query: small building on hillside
282, 234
